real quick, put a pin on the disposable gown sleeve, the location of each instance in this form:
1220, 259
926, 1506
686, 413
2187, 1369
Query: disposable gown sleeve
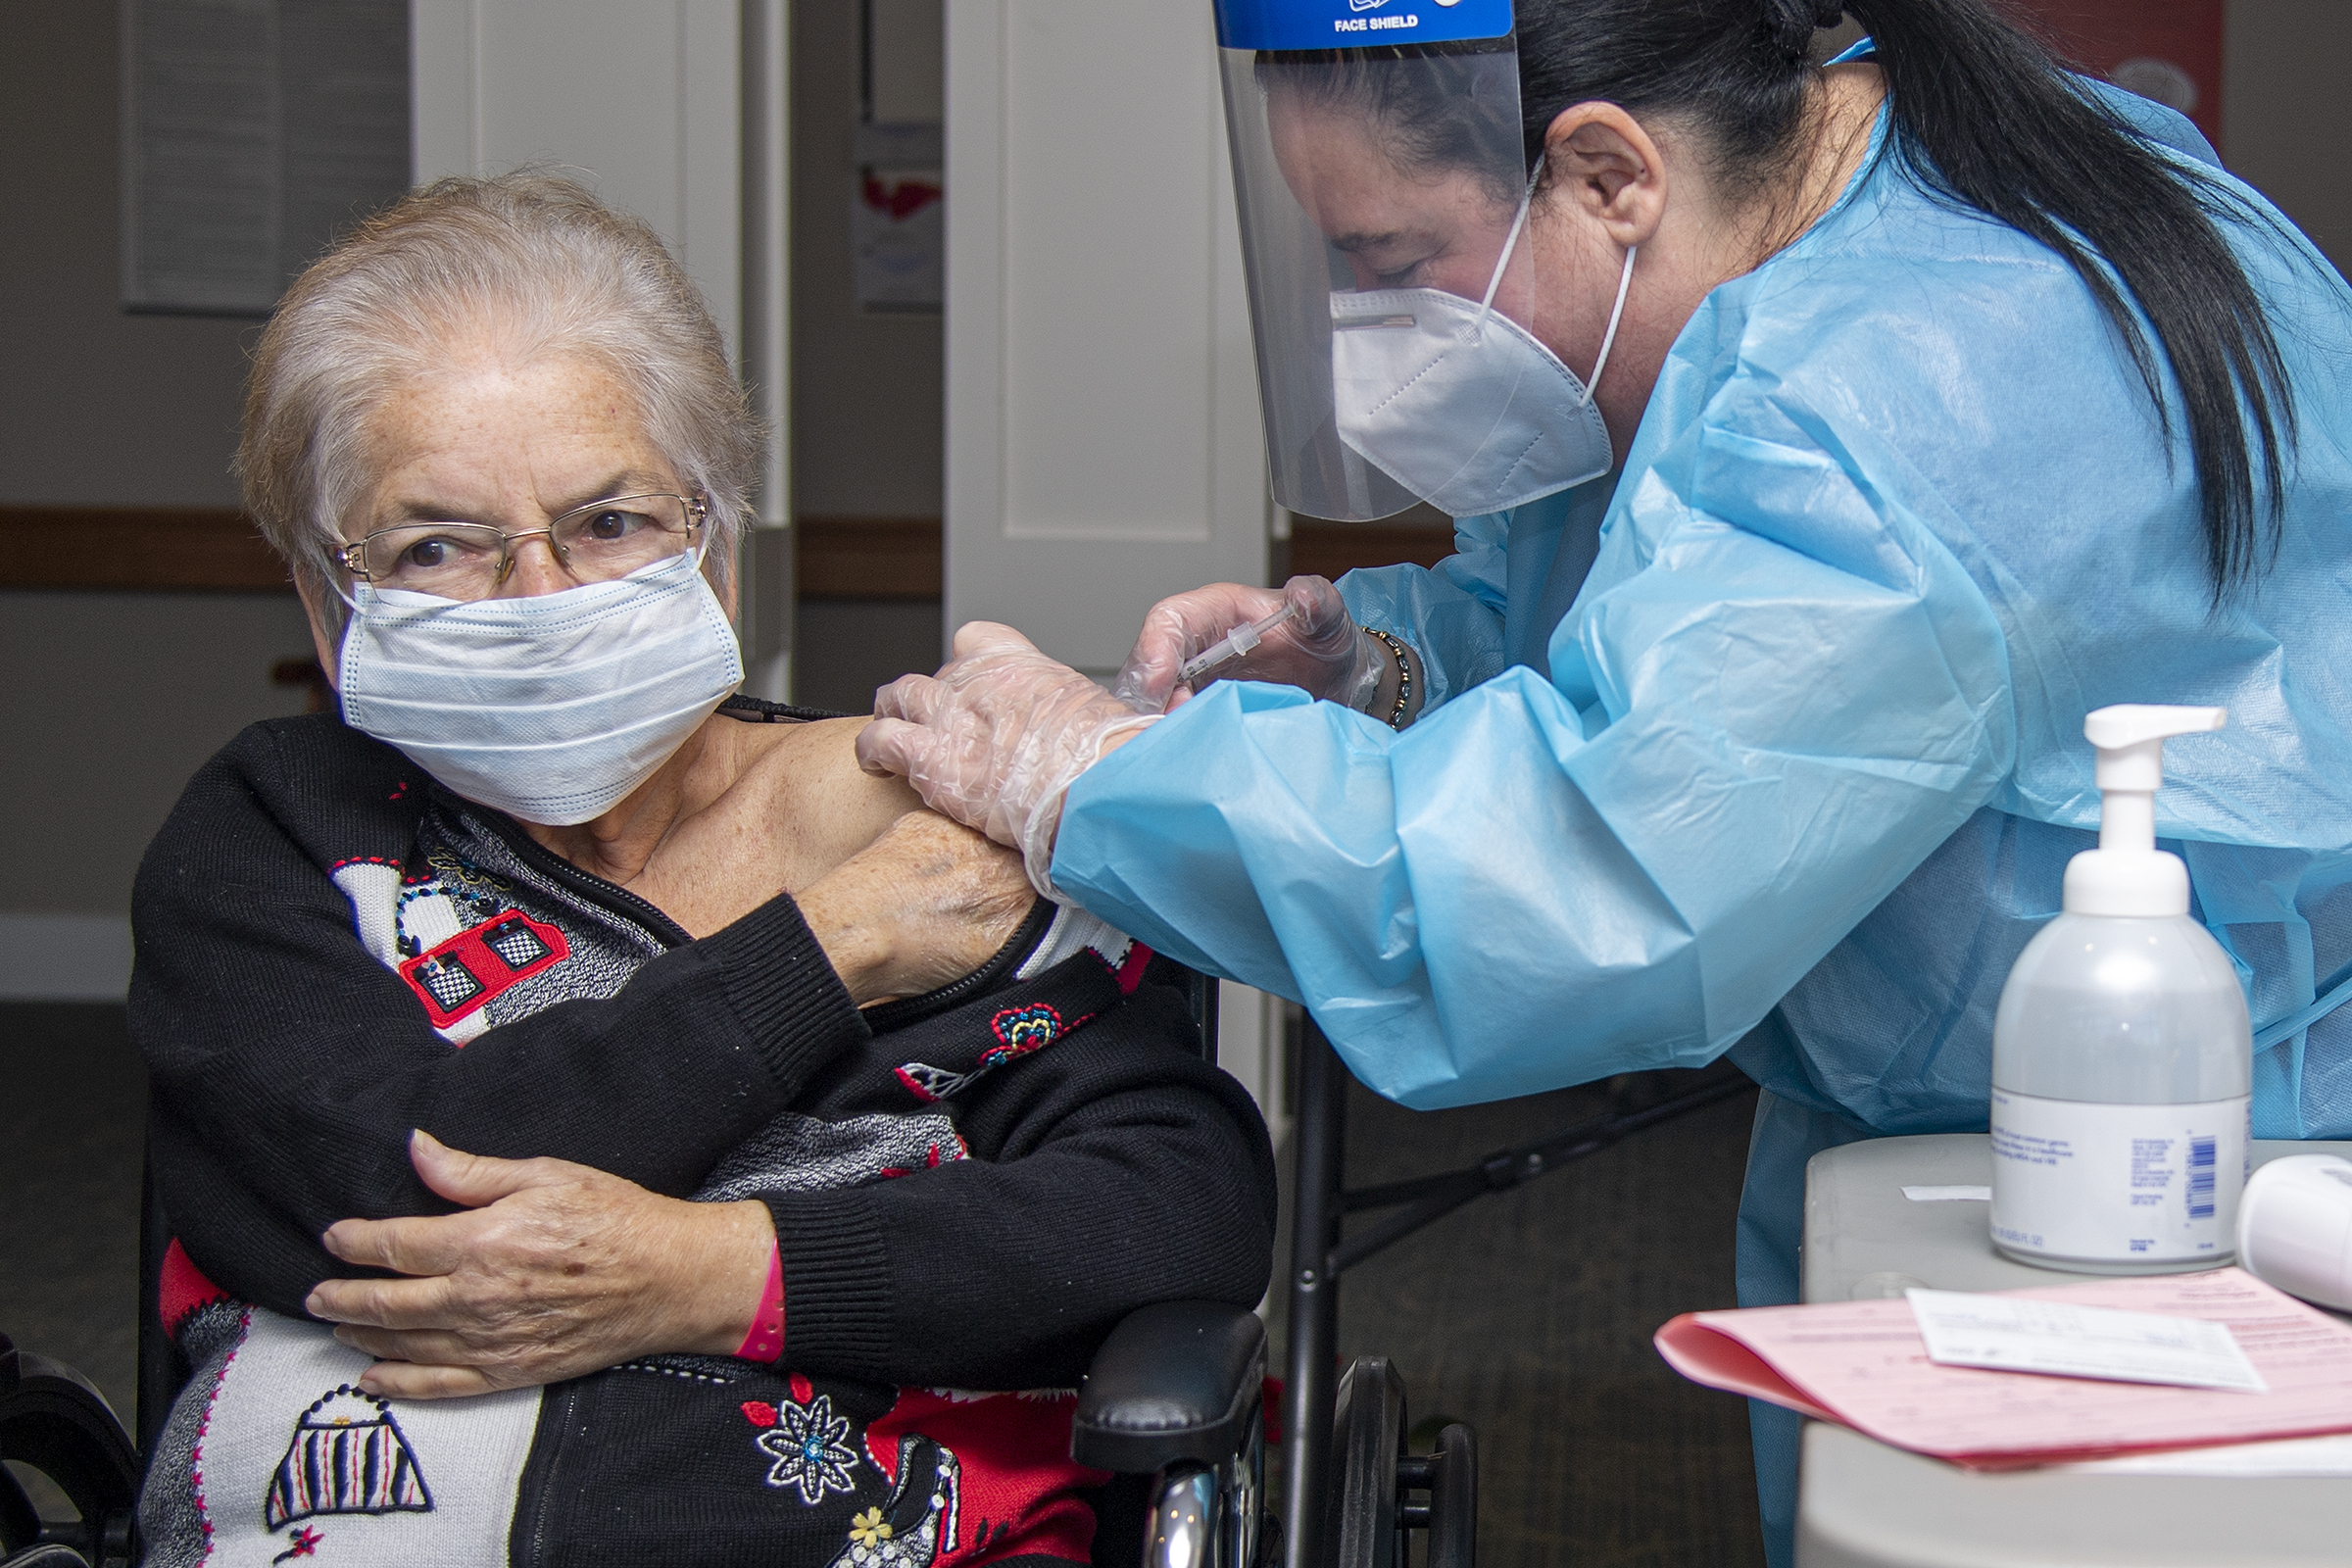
1779, 692
1451, 613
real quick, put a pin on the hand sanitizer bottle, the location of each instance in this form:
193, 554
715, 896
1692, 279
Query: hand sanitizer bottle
2122, 1056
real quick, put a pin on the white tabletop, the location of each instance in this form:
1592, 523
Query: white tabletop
1862, 1504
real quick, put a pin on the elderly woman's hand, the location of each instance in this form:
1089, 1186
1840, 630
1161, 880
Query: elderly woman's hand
553, 1270
924, 905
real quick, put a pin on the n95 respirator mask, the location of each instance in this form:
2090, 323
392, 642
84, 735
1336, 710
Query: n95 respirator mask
1458, 403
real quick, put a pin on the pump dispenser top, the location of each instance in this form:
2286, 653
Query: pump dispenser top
2127, 874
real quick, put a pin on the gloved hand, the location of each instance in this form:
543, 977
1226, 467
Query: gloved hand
1319, 648
994, 739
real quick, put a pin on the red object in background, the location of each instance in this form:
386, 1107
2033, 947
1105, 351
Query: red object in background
901, 198
2167, 50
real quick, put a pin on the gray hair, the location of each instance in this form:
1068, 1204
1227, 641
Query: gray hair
538, 264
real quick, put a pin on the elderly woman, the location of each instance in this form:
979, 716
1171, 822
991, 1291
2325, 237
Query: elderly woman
787, 1110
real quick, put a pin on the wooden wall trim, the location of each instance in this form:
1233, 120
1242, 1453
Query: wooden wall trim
137, 549
868, 557
1334, 549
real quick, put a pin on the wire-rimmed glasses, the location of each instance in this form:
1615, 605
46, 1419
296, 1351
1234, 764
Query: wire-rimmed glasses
599, 542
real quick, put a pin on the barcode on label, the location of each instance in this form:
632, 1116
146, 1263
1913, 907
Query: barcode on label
2201, 1171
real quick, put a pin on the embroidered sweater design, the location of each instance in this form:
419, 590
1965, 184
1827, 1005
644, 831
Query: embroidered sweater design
969, 1190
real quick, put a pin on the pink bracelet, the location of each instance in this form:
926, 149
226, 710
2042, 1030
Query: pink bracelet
765, 1340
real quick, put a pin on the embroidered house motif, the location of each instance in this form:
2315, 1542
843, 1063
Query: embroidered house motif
348, 1455
458, 975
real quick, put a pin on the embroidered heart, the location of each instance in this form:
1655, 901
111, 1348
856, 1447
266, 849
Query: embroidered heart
1023, 1030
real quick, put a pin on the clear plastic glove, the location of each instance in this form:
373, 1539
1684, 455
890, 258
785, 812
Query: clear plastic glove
1320, 650
996, 738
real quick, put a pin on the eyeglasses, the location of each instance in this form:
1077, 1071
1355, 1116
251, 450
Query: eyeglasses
595, 543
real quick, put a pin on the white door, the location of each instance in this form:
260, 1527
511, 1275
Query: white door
1104, 447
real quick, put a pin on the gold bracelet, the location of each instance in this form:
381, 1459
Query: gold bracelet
1405, 675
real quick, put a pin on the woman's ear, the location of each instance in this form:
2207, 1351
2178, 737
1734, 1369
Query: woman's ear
325, 612
1605, 167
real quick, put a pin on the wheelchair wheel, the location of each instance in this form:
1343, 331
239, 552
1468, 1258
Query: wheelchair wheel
1372, 1512
52, 1420
1367, 1438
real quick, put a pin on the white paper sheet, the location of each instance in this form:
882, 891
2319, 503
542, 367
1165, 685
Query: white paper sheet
2064, 1339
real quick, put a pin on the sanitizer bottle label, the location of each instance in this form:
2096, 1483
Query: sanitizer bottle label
2118, 1184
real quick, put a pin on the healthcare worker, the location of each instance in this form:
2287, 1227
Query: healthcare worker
1826, 442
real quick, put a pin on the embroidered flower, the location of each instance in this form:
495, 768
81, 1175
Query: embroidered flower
869, 1529
807, 1444
1021, 1030
305, 1543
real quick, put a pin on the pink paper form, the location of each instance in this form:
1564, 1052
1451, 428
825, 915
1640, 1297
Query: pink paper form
1863, 1364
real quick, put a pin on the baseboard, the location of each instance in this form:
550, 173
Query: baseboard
64, 957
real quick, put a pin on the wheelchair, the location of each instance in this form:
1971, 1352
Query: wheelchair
1172, 1406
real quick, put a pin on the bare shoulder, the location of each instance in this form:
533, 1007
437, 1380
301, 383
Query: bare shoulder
821, 806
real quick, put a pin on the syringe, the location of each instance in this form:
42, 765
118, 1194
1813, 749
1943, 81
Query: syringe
1233, 645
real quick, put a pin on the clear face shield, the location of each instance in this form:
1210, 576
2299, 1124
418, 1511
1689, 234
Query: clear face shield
1377, 162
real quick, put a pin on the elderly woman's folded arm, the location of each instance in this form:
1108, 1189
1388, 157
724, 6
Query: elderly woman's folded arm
1128, 1172
1124, 1171
288, 1064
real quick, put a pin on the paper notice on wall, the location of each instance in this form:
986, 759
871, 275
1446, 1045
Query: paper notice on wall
1865, 1365
899, 240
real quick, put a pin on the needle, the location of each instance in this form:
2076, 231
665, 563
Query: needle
1233, 645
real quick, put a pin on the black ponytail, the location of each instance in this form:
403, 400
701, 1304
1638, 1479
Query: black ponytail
1984, 118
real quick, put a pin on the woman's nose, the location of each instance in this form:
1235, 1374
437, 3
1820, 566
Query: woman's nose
532, 566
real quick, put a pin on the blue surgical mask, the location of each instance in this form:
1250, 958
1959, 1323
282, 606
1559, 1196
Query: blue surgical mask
1458, 403
551, 708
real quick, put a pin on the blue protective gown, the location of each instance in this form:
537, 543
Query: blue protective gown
1773, 745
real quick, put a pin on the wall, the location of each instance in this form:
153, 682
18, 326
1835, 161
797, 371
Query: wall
111, 699
866, 389
114, 701
98, 408
2286, 116
865, 429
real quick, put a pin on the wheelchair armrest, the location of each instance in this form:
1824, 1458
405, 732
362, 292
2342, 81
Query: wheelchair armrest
1178, 1380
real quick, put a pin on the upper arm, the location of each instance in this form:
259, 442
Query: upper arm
833, 806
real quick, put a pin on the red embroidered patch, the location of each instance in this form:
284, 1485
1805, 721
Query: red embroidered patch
180, 1288
801, 1389
463, 973
758, 1413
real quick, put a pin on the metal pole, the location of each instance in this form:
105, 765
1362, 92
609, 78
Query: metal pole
1307, 1400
